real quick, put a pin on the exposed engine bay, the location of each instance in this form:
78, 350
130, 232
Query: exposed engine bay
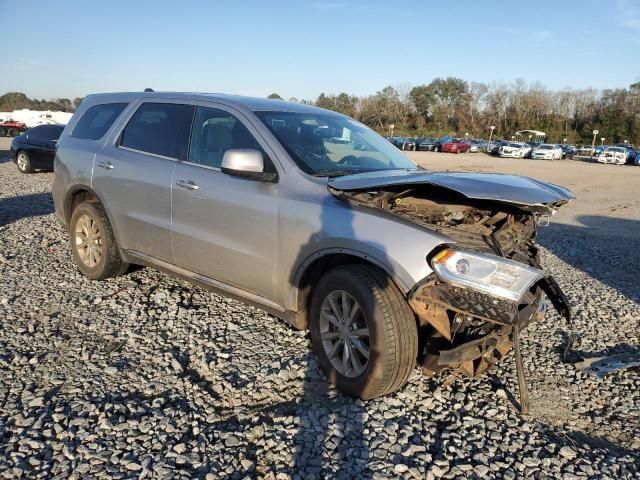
460, 328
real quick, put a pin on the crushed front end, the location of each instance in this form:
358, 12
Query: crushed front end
487, 285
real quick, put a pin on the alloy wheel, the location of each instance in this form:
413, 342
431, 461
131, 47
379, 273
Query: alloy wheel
22, 161
344, 333
88, 240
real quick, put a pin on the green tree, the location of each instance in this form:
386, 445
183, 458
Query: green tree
275, 96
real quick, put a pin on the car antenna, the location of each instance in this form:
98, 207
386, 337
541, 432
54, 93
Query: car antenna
148, 89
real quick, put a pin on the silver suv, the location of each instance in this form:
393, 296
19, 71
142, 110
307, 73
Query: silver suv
316, 219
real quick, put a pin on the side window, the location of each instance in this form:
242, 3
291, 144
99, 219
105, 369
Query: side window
97, 120
216, 131
35, 134
51, 133
159, 128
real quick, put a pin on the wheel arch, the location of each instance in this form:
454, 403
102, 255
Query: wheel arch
315, 266
80, 193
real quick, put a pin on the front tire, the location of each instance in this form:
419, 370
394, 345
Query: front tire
93, 243
23, 162
363, 331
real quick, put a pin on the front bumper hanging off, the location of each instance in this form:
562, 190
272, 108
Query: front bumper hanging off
471, 331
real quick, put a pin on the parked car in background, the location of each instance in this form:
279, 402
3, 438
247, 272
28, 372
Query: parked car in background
547, 151
533, 145
36, 148
481, 145
493, 147
587, 150
474, 145
373, 255
515, 150
11, 128
632, 151
438, 146
615, 155
409, 143
395, 141
426, 144
568, 151
599, 149
455, 145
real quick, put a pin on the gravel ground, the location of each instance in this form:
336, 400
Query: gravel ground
147, 376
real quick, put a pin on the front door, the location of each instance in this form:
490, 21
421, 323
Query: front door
224, 227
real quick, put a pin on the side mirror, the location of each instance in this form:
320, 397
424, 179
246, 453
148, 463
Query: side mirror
246, 163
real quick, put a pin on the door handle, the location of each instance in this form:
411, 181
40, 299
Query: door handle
105, 165
188, 184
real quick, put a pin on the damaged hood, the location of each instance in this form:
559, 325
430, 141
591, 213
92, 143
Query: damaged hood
512, 189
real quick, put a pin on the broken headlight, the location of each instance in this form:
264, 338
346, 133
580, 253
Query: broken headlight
489, 274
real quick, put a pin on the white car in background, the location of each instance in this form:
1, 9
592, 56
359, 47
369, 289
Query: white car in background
514, 150
616, 155
547, 151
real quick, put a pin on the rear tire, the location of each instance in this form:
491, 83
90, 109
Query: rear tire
93, 244
391, 340
23, 162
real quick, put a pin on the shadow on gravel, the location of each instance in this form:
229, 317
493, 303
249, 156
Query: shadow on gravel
13, 209
330, 441
606, 248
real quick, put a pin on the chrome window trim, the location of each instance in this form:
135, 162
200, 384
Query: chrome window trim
147, 153
194, 164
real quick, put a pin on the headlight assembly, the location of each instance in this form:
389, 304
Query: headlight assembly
489, 274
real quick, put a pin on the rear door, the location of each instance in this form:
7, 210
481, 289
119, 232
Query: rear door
133, 175
36, 145
225, 227
50, 135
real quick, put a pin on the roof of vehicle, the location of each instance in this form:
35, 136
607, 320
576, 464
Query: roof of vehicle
252, 103
61, 125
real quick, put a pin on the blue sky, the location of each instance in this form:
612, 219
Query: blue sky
301, 48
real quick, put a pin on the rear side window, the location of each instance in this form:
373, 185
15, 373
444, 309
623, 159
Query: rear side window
44, 133
159, 128
97, 120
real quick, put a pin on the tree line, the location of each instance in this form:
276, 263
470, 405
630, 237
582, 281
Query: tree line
453, 106
17, 101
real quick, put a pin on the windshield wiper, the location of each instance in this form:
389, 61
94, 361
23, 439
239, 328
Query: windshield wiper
330, 172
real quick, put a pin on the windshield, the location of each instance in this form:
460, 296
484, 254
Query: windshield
515, 145
615, 150
331, 145
545, 147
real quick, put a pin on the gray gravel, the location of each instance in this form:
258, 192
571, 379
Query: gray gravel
146, 376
